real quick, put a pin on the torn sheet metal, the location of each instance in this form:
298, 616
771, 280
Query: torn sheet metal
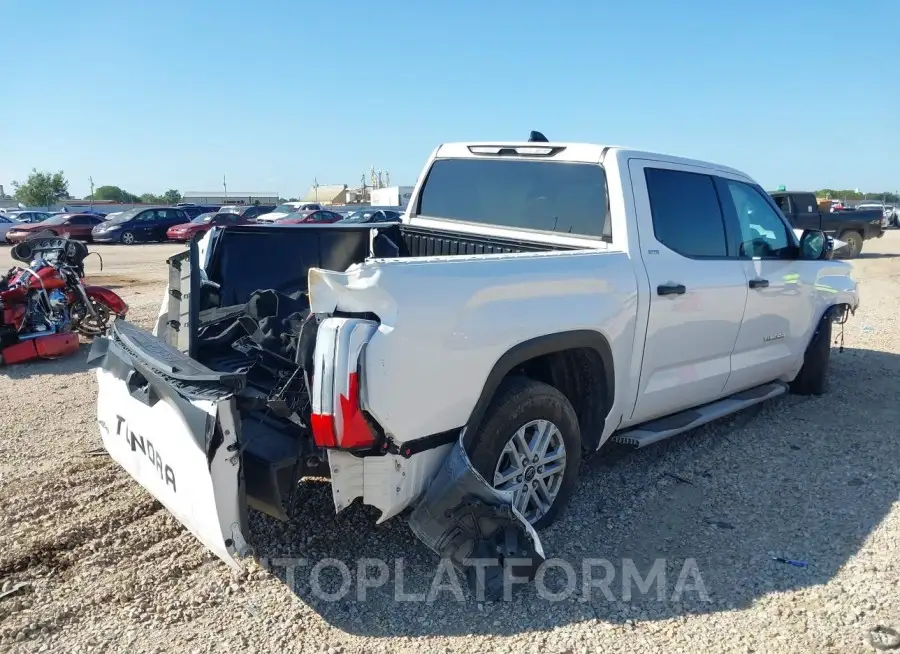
390, 483
464, 519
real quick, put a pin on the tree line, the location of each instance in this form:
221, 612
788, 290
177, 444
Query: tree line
846, 194
43, 188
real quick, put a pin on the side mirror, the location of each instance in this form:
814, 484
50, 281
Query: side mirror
815, 245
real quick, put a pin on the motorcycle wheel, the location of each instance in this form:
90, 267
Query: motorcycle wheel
86, 324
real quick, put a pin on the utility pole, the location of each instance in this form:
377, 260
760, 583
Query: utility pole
91, 180
225, 186
316, 187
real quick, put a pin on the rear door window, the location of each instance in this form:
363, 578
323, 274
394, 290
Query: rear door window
783, 203
546, 196
687, 215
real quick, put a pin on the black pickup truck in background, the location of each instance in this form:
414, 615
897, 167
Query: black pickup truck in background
853, 226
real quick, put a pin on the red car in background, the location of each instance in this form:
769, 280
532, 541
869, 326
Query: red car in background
203, 223
319, 216
76, 226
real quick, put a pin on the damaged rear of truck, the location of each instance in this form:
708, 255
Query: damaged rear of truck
286, 352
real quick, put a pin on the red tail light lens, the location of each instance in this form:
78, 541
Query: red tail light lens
338, 419
349, 429
323, 430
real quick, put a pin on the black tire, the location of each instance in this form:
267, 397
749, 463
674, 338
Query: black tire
127, 238
813, 376
854, 244
518, 401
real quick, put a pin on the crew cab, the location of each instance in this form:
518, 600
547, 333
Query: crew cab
537, 301
853, 226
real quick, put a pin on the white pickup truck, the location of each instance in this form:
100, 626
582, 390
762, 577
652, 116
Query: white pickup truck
538, 300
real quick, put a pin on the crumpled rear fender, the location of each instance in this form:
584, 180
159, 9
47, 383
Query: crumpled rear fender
456, 513
462, 518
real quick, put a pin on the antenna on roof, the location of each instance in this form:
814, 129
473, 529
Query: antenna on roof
537, 137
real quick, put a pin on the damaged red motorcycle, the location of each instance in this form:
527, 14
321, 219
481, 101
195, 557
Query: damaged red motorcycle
45, 305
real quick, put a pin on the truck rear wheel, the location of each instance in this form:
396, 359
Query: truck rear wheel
813, 376
529, 443
854, 244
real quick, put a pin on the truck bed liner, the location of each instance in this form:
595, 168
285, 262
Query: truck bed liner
427, 242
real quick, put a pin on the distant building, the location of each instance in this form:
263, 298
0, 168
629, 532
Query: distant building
232, 198
391, 196
327, 194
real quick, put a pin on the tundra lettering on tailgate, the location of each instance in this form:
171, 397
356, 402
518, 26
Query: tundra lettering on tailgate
136, 441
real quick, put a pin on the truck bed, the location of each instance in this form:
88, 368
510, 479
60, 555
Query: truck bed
278, 450
427, 242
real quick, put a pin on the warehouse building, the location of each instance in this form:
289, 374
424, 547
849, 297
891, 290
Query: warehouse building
230, 198
327, 194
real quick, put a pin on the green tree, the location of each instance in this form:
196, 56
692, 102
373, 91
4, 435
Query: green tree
114, 194
41, 189
852, 194
149, 198
172, 196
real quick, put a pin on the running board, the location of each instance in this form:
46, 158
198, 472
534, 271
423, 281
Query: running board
663, 428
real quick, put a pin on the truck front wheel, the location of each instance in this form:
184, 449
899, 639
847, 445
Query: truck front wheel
529, 443
813, 376
854, 242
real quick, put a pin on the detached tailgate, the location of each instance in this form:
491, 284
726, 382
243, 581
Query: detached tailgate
172, 424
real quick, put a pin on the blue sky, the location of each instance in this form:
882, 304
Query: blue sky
164, 94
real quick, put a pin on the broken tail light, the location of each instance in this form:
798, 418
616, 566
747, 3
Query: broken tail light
338, 419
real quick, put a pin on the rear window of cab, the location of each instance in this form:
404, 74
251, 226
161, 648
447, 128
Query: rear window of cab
537, 195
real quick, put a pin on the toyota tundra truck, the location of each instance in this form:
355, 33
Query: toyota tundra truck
538, 301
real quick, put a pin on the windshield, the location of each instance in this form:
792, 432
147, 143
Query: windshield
286, 208
230, 210
204, 218
124, 217
358, 216
297, 215
57, 220
542, 195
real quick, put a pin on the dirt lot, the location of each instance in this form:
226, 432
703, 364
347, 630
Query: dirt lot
810, 479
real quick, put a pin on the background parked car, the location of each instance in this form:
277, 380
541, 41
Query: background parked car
373, 216
203, 223
139, 225
194, 210
250, 212
282, 210
6, 224
77, 226
853, 226
28, 216
322, 216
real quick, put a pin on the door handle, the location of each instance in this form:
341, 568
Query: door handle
670, 289
759, 283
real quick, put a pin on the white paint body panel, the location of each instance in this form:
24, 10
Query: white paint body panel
439, 347
204, 496
390, 483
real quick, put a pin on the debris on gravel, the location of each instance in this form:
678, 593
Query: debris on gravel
92, 563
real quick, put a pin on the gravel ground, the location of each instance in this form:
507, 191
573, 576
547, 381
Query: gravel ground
108, 570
